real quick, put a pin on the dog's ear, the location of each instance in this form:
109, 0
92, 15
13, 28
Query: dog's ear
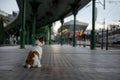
42, 38
36, 37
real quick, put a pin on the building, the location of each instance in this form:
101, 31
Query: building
7, 18
67, 31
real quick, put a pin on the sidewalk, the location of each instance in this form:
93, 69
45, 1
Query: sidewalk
61, 63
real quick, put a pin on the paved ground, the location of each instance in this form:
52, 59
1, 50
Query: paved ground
61, 63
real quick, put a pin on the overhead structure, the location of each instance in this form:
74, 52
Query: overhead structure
48, 11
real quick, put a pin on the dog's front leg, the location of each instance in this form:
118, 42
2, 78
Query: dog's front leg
39, 64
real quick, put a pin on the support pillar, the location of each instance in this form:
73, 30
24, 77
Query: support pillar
75, 7
49, 33
34, 5
61, 41
107, 39
93, 41
33, 29
22, 37
1, 31
102, 40
27, 35
74, 30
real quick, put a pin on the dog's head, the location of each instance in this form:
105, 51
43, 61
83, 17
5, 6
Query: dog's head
39, 41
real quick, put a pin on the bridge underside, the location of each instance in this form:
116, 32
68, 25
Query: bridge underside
46, 11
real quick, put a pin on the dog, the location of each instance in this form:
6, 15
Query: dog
35, 55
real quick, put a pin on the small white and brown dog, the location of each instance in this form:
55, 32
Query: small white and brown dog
35, 55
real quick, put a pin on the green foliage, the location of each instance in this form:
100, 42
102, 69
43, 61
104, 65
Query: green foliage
43, 32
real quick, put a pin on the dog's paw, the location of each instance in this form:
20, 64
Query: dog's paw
39, 66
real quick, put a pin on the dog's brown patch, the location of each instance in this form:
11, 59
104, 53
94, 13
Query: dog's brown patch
35, 52
30, 56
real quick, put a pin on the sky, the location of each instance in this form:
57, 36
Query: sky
8, 6
111, 13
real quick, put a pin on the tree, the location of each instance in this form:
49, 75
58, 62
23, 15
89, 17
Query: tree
43, 32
